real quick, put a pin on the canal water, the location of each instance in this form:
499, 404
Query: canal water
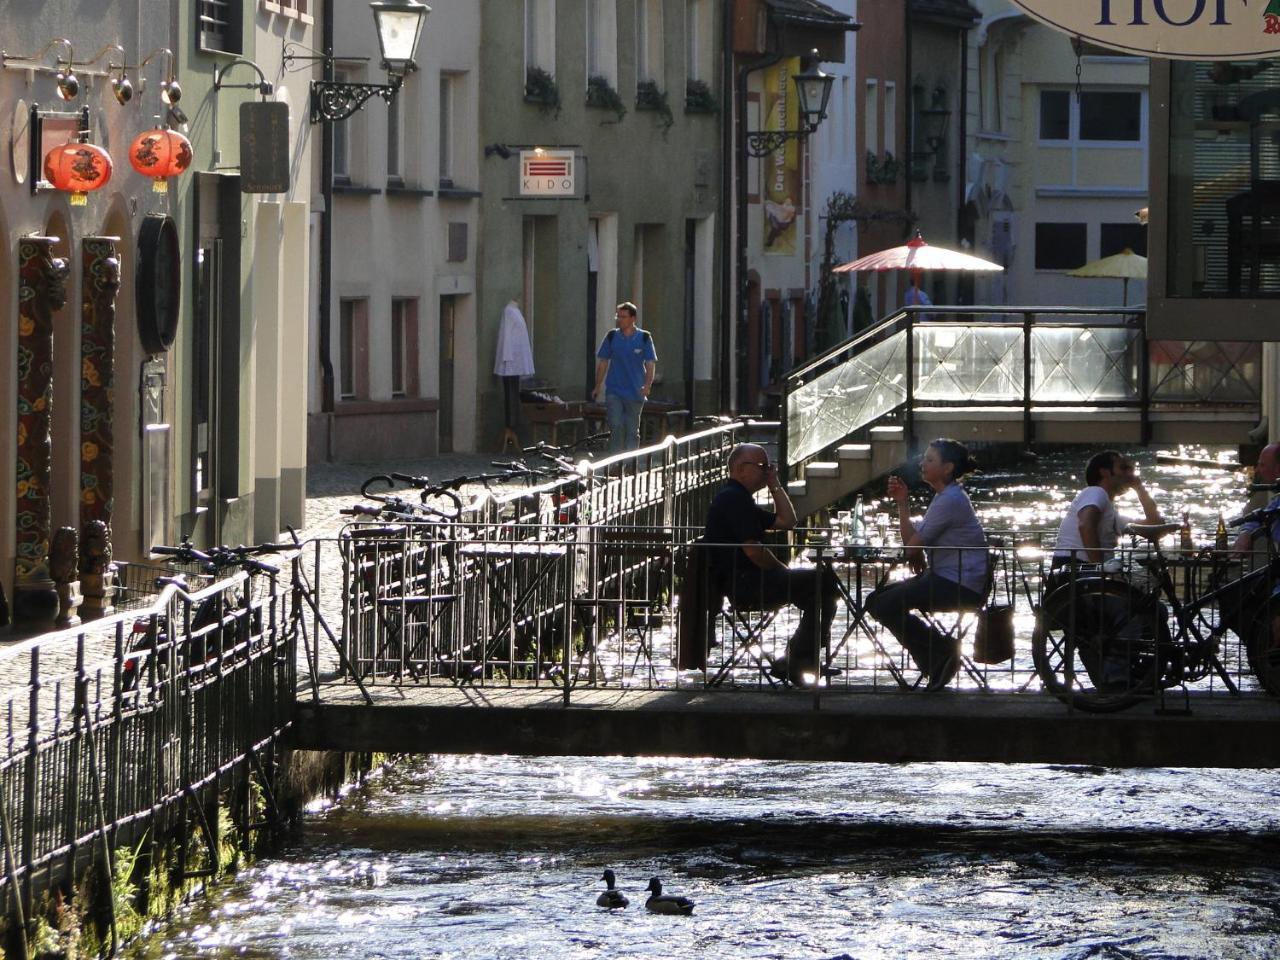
502, 856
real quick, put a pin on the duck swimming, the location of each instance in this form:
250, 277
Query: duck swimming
611, 898
658, 903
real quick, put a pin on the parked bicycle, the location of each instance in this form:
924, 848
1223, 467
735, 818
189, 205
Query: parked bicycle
217, 623
1104, 641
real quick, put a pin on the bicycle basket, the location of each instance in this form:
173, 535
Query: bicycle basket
137, 584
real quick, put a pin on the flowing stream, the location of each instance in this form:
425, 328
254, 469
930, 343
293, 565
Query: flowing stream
502, 856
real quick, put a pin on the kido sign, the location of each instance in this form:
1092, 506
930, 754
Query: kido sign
1173, 29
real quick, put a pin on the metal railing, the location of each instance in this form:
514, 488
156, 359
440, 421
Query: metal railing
1021, 358
125, 727
568, 606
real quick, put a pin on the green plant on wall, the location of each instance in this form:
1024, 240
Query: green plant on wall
540, 88
883, 170
600, 93
698, 98
649, 97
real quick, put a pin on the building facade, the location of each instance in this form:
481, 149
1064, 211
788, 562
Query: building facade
144, 350
394, 356
1059, 160
630, 91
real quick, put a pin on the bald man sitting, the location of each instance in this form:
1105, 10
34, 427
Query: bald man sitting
750, 575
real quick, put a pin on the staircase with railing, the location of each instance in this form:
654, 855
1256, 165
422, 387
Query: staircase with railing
1006, 374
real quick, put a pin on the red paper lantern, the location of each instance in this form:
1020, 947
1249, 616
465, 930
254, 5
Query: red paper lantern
160, 154
77, 168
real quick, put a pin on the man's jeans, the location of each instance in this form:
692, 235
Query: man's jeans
623, 416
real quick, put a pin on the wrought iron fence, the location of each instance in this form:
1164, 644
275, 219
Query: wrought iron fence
120, 723
1012, 357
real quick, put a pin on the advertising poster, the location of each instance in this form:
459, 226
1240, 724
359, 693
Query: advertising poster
781, 169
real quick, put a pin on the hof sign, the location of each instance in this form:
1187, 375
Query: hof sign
1172, 29
551, 173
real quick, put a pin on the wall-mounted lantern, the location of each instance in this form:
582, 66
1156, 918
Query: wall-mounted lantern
813, 91
934, 120
78, 168
160, 154
399, 26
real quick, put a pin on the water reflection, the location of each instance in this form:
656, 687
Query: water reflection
501, 856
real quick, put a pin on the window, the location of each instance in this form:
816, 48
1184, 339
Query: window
1055, 115
891, 117
1100, 116
299, 7
698, 39
1118, 237
394, 166
870, 119
602, 40
218, 25
1060, 246
446, 129
353, 348
1111, 115
404, 352
540, 35
649, 40
341, 140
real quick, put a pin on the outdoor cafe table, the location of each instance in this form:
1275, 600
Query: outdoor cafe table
852, 565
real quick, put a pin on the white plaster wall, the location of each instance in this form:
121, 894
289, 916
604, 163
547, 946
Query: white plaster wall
391, 245
833, 149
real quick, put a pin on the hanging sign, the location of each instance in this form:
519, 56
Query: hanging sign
1171, 29
264, 147
547, 173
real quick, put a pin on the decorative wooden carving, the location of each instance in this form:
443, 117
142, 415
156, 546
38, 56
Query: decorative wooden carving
42, 290
100, 283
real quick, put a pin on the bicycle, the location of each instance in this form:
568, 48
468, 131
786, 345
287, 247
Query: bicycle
1103, 642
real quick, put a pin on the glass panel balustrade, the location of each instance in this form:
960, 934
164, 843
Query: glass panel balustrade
853, 395
968, 362
1085, 364
1203, 371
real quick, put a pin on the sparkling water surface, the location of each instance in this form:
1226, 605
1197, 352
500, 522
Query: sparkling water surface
502, 856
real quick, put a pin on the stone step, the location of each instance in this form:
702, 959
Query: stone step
854, 451
821, 468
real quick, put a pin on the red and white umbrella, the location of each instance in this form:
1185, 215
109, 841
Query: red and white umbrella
917, 255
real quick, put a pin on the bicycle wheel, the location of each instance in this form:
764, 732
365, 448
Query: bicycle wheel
1094, 645
1262, 646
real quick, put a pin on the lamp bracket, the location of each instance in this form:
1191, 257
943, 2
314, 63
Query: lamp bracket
262, 86
333, 100
761, 143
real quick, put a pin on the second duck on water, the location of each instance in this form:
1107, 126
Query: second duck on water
665, 903
611, 898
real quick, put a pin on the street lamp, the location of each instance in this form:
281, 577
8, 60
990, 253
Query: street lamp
399, 24
934, 120
813, 90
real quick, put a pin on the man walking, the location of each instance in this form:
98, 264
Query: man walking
625, 365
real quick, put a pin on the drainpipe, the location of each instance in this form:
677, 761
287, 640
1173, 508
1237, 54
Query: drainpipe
910, 144
741, 149
325, 306
726, 201
962, 107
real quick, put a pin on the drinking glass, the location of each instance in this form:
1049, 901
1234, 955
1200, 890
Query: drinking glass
882, 528
844, 522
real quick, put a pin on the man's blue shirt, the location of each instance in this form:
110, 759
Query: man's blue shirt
627, 357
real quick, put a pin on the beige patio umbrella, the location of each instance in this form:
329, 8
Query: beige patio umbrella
1125, 265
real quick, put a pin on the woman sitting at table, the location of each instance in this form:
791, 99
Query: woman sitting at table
955, 577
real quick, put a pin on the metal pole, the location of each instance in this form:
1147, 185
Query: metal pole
29, 784
1028, 425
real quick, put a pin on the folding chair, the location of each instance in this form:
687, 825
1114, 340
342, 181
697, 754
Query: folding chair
747, 626
957, 625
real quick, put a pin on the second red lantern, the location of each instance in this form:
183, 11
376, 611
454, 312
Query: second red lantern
160, 154
77, 168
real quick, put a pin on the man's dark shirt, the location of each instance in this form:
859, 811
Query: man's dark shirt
734, 517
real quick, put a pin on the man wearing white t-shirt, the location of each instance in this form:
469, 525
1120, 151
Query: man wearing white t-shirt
1091, 529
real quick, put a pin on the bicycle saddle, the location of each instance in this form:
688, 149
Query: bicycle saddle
1152, 531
